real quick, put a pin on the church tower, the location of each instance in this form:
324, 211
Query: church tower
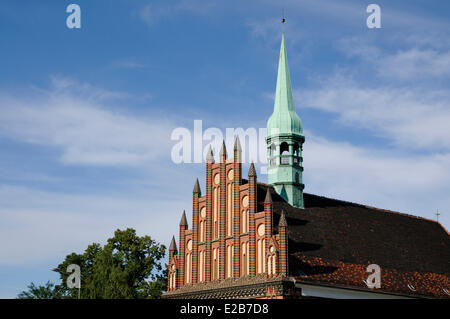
285, 139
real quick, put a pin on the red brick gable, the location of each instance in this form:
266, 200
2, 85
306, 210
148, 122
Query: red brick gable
229, 237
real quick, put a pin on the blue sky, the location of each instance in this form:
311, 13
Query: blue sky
86, 115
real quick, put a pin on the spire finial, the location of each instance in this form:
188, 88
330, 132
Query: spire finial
268, 199
223, 150
210, 156
197, 188
252, 170
237, 150
237, 144
282, 222
173, 244
183, 221
437, 215
283, 20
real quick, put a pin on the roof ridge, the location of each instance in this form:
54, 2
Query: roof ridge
377, 208
374, 208
400, 213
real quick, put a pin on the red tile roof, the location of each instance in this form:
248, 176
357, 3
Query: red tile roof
347, 275
340, 239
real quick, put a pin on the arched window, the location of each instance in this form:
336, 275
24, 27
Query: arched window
216, 212
284, 148
274, 265
188, 268
202, 265
271, 265
244, 221
284, 152
260, 256
215, 268
202, 231
229, 260
271, 262
172, 277
171, 286
260, 248
263, 257
202, 227
296, 150
244, 259
296, 153
273, 153
229, 209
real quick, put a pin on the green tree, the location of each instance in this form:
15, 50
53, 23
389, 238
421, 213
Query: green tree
48, 291
127, 266
154, 289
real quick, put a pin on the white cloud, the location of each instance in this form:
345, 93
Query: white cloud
37, 225
77, 119
424, 60
414, 64
412, 118
411, 184
42, 225
90, 126
65, 86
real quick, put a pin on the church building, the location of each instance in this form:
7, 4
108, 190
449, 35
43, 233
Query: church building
254, 240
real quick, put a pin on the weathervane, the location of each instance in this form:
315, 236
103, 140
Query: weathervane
283, 20
437, 215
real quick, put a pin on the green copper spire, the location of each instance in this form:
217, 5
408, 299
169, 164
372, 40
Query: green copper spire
284, 119
285, 139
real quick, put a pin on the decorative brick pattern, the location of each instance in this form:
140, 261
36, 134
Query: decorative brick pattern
268, 211
209, 208
283, 242
195, 212
172, 262
251, 219
222, 211
237, 168
182, 253
245, 287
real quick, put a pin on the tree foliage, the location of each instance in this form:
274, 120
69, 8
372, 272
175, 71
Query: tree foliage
127, 266
48, 291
